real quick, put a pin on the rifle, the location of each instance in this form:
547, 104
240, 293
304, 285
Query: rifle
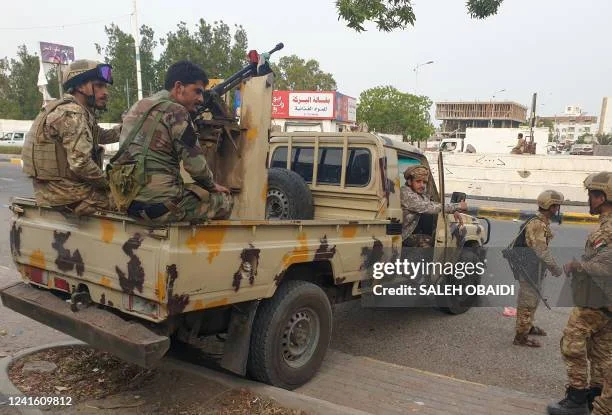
518, 269
258, 65
517, 263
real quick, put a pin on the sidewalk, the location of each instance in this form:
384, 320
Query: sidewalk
378, 387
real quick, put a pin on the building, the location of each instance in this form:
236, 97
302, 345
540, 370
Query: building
322, 111
572, 124
605, 118
457, 116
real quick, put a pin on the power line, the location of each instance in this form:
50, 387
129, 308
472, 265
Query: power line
65, 25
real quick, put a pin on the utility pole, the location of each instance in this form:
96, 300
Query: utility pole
416, 72
137, 46
127, 92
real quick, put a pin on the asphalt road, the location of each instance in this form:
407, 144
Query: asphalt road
475, 346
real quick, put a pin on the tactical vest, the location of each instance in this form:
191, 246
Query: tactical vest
527, 256
44, 157
127, 179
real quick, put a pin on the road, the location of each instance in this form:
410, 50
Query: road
475, 346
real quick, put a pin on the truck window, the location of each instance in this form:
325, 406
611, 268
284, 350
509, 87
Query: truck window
330, 165
358, 167
18, 137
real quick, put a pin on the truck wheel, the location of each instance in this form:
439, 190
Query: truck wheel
461, 304
290, 336
288, 196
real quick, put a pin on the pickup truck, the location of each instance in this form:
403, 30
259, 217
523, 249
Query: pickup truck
313, 212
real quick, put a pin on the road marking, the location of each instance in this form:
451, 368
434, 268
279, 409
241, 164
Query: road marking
7, 179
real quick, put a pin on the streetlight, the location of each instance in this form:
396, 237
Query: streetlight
416, 71
491, 103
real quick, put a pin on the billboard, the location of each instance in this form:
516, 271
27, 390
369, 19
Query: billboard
54, 53
346, 108
303, 104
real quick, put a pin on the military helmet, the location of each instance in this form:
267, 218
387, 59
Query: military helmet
600, 181
83, 70
417, 171
550, 197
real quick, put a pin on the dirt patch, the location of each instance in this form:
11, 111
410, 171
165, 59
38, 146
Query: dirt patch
100, 384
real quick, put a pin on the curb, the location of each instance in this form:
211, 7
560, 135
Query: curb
11, 160
518, 214
289, 399
6, 386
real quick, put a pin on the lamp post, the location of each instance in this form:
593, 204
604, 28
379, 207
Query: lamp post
491, 104
416, 72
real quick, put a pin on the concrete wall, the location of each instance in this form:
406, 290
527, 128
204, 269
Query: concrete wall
601, 150
502, 140
518, 176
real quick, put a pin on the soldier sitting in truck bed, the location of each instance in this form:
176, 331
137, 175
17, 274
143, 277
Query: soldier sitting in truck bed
158, 133
417, 208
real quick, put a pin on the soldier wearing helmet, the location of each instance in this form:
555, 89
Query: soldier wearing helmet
586, 345
535, 236
417, 207
62, 151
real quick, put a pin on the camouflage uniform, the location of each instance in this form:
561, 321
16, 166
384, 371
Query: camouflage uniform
174, 139
413, 206
537, 237
76, 180
588, 334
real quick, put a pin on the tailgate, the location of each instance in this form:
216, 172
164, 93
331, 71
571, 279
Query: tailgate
131, 341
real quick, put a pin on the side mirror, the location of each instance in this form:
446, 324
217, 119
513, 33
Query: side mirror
457, 197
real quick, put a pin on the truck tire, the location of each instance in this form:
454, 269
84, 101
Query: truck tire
288, 196
290, 336
461, 304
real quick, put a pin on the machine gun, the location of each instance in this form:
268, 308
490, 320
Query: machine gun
258, 65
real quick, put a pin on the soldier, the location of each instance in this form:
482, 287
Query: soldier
587, 338
61, 151
520, 145
415, 203
535, 235
158, 133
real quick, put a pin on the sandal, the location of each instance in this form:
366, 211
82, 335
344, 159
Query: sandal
536, 331
526, 341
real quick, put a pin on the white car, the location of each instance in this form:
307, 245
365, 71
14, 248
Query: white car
14, 138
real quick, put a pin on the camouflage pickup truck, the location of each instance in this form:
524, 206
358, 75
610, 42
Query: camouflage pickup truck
312, 213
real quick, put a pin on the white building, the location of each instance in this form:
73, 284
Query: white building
571, 124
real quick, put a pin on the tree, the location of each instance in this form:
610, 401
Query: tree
211, 46
19, 95
604, 139
398, 14
385, 109
294, 73
120, 53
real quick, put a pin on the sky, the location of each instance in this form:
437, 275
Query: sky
559, 49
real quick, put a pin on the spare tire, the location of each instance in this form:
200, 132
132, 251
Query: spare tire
288, 196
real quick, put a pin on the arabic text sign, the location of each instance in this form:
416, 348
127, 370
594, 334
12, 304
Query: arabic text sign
54, 53
311, 104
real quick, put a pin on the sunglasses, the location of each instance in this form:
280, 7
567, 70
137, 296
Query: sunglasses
105, 73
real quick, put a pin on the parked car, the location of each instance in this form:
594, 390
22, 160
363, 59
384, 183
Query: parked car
13, 138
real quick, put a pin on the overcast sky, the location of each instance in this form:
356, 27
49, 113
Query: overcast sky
560, 49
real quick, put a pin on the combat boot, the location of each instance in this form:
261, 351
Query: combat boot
593, 392
575, 403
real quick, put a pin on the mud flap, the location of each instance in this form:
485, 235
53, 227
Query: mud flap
238, 343
130, 341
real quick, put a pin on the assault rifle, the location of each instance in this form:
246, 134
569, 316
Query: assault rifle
258, 65
517, 257
516, 262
